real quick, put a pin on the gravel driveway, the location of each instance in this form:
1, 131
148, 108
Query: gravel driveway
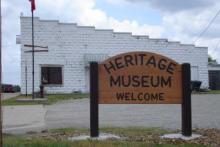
205, 114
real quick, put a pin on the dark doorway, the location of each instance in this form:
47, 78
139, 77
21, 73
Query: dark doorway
214, 79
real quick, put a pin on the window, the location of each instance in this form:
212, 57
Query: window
51, 75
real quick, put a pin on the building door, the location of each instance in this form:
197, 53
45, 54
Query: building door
87, 79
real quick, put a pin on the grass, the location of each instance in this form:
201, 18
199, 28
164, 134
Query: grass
51, 143
136, 133
51, 98
21, 141
208, 92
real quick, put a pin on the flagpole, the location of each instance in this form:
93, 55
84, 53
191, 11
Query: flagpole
32, 11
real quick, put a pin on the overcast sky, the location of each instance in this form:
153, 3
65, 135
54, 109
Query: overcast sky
175, 20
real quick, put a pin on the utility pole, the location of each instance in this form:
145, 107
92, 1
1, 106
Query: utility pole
1, 142
25, 77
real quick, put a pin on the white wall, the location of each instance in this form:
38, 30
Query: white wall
68, 43
194, 73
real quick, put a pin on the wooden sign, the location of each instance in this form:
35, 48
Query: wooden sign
140, 78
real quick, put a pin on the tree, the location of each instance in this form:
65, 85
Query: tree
211, 60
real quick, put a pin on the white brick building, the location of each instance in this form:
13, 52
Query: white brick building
71, 47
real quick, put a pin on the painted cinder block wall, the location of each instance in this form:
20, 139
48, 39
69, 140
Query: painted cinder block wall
68, 44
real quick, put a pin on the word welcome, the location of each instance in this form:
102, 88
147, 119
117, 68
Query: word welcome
130, 96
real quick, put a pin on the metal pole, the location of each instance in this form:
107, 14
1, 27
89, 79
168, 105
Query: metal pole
32, 54
25, 78
1, 141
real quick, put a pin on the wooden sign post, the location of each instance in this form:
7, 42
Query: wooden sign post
94, 95
186, 101
140, 78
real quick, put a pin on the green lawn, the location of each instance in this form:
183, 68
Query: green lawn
208, 92
134, 137
89, 143
51, 98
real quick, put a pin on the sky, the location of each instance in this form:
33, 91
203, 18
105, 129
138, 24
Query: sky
175, 20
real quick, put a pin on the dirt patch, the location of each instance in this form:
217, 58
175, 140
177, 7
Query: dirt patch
210, 137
